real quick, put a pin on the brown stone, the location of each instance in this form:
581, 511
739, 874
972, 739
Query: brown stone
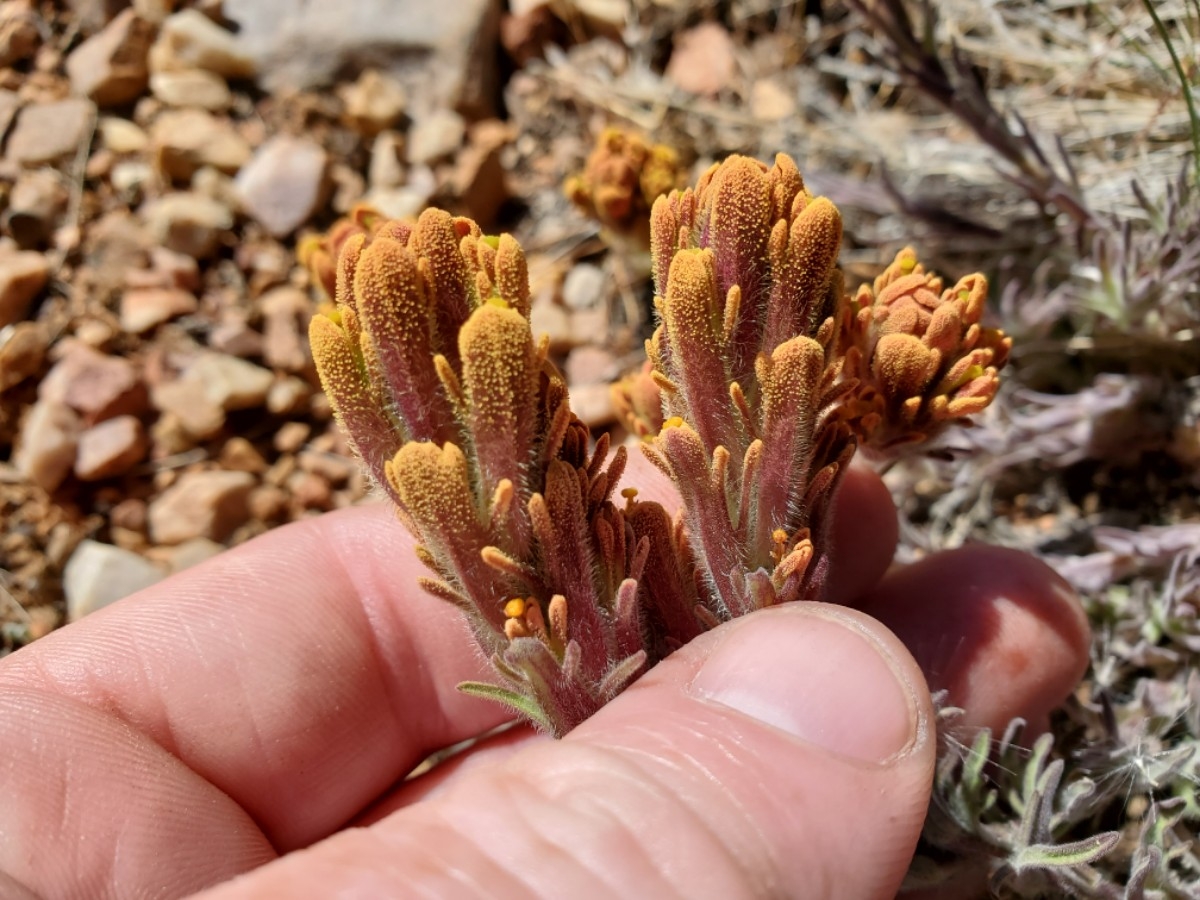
49, 132
188, 404
22, 351
22, 276
375, 102
284, 184
191, 87
286, 313
19, 33
45, 451
593, 404
703, 60
188, 139
239, 455
146, 308
110, 67
207, 504
95, 385
111, 448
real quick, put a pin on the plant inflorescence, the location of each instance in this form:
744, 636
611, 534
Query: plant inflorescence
767, 376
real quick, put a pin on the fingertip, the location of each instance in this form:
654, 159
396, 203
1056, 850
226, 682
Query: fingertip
996, 628
865, 531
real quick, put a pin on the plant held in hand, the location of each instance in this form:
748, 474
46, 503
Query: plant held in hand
766, 375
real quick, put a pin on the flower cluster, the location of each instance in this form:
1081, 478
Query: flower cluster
319, 252
762, 379
431, 367
620, 181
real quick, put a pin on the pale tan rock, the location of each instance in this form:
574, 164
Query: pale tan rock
190, 40
770, 102
50, 132
144, 308
335, 469
209, 504
176, 270
291, 436
585, 286
22, 350
703, 60
435, 136
284, 184
230, 383
186, 140
110, 66
191, 87
35, 206
187, 404
46, 446
286, 314
129, 176
239, 455
547, 317
385, 169
288, 396
234, 336
268, 503
188, 222
22, 276
94, 384
589, 364
593, 404
121, 135
99, 574
310, 491
375, 102
111, 448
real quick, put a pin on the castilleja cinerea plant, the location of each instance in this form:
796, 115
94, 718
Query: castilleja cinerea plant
764, 376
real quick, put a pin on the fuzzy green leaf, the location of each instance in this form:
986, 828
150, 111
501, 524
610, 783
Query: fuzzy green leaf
1075, 853
511, 699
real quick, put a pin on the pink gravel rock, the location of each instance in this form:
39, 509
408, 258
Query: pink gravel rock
49, 132
146, 308
23, 274
703, 60
111, 448
284, 184
110, 67
46, 448
208, 504
95, 385
286, 313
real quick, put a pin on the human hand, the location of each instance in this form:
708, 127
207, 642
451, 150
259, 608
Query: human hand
262, 702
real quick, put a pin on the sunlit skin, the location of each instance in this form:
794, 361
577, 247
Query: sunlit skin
265, 700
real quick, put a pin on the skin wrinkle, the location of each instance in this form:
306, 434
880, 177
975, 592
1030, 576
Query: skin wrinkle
587, 803
751, 834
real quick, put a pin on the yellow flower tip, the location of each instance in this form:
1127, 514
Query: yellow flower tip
907, 264
514, 608
673, 422
499, 302
779, 536
629, 493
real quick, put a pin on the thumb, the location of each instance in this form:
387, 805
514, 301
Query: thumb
786, 754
